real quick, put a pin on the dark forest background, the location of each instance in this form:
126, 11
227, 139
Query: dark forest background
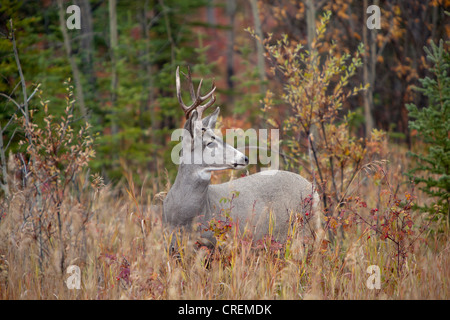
122, 65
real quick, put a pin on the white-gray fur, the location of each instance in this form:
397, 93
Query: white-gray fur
264, 199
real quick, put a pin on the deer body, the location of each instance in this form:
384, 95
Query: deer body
263, 199
266, 202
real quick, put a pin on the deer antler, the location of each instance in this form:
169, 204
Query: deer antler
197, 99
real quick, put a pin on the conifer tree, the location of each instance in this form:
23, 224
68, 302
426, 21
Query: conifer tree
432, 171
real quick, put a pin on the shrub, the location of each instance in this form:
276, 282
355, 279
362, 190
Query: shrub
45, 203
432, 123
315, 88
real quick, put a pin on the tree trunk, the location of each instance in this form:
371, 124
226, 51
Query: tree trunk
169, 31
73, 64
149, 87
368, 74
113, 40
259, 46
310, 22
4, 183
210, 16
87, 45
231, 12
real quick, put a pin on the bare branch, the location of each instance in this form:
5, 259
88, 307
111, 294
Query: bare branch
19, 67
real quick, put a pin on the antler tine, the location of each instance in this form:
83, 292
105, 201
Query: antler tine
200, 98
197, 99
178, 85
199, 88
202, 108
206, 96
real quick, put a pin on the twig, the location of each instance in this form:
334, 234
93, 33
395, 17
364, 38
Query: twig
19, 67
34, 92
15, 103
4, 183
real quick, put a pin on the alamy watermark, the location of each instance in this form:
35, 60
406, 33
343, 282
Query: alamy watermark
374, 280
374, 21
260, 151
74, 20
74, 280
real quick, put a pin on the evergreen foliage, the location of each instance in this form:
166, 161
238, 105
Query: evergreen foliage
432, 171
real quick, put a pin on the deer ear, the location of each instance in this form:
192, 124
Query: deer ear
210, 121
189, 125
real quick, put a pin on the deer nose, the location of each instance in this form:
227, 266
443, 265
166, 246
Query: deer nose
246, 159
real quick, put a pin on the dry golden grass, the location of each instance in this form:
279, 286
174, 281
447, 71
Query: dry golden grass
122, 253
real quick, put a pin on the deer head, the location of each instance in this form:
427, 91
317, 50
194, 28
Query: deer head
202, 145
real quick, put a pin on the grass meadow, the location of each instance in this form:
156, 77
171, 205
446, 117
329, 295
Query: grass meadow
117, 239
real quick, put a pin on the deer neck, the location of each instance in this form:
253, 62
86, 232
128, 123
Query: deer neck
192, 177
188, 196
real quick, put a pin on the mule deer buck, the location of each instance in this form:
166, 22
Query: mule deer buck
266, 201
